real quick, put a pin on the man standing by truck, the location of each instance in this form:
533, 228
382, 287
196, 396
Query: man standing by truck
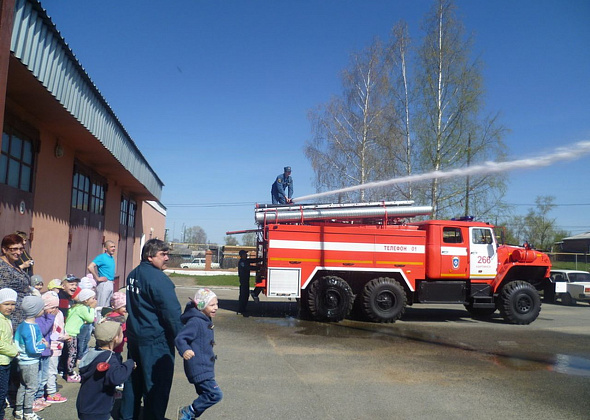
282, 189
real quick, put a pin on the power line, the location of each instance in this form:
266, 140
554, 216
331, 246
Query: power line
234, 204
553, 204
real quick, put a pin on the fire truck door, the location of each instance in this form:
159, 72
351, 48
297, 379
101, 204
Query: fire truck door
483, 259
453, 254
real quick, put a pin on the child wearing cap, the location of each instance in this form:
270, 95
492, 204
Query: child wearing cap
58, 338
195, 344
8, 349
30, 344
102, 370
45, 323
81, 313
54, 286
118, 314
85, 333
36, 284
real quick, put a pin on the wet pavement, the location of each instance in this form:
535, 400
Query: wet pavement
436, 363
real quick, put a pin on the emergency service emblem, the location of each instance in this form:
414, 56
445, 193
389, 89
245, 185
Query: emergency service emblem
455, 262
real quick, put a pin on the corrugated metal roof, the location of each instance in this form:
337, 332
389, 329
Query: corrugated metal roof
578, 237
37, 43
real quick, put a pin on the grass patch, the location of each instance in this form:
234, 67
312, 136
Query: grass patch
211, 280
582, 266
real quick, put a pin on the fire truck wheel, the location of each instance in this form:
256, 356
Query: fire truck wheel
383, 300
519, 302
330, 299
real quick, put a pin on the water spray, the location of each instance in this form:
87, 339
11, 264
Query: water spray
571, 152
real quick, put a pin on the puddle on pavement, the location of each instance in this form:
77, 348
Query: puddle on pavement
559, 363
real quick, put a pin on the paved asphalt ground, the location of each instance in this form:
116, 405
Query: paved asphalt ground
437, 363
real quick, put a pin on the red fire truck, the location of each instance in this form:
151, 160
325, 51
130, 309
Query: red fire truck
365, 258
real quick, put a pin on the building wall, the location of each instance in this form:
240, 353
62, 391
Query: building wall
51, 211
89, 135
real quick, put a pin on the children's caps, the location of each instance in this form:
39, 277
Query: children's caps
7, 295
118, 300
31, 306
50, 299
54, 284
106, 330
84, 295
203, 297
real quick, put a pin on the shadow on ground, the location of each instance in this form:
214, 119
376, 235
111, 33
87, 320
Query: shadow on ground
262, 308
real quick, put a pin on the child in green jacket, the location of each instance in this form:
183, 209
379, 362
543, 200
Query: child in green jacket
8, 349
81, 313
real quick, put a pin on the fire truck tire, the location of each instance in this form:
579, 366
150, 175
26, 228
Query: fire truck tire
383, 300
330, 299
519, 302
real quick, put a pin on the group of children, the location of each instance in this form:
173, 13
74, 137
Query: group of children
54, 337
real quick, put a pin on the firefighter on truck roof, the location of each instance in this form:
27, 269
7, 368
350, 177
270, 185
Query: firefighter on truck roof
282, 189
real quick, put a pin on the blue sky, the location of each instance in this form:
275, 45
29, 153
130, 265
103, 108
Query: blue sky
216, 93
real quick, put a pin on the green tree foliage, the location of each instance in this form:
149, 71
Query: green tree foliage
540, 228
536, 227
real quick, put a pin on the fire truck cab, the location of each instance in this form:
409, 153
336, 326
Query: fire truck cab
366, 259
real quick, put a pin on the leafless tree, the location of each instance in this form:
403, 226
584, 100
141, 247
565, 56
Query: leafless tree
449, 126
196, 235
349, 131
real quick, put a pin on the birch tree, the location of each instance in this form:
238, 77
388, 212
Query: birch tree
449, 127
348, 131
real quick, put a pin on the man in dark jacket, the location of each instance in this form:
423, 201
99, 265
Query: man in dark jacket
152, 324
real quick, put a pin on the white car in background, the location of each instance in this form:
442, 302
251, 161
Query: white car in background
198, 263
571, 286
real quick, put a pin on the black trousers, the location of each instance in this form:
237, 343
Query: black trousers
244, 293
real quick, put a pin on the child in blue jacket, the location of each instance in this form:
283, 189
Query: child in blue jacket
195, 344
31, 344
102, 369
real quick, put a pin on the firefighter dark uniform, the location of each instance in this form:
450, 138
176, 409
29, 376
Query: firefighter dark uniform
244, 268
282, 188
152, 324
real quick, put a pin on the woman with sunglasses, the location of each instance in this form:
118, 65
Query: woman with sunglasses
11, 276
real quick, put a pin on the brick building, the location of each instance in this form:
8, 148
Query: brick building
70, 175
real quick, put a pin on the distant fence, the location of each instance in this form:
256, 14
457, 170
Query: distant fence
569, 260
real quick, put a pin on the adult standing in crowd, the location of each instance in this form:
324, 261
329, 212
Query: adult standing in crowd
25, 262
152, 324
11, 276
282, 189
103, 270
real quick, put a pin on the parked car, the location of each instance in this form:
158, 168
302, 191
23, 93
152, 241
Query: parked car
198, 263
571, 286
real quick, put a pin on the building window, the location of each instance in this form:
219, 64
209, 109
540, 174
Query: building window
128, 209
124, 211
16, 160
132, 210
88, 194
